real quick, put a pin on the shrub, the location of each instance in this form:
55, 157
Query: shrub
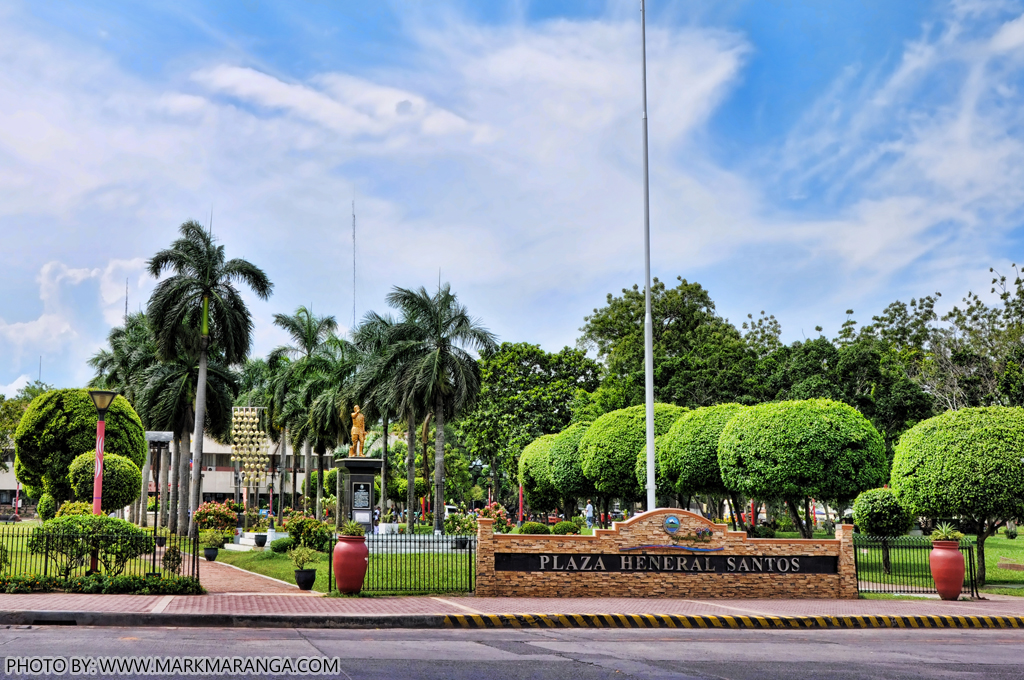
282, 545
563, 528
171, 561
310, 532
212, 538
74, 508
878, 512
964, 464
539, 491
330, 483
59, 425
301, 556
46, 507
534, 528
497, 513
351, 528
460, 524
122, 479
218, 516
761, 532
797, 450
612, 444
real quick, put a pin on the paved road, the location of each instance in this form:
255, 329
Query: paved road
565, 654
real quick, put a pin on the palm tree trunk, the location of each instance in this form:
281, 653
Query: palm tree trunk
295, 477
183, 481
172, 496
284, 471
197, 438
438, 464
320, 482
410, 468
307, 457
162, 488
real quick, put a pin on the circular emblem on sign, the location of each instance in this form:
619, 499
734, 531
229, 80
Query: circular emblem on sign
671, 524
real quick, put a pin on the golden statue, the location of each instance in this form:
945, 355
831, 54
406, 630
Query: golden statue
358, 434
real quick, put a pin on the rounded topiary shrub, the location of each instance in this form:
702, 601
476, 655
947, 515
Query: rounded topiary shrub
797, 450
878, 512
62, 423
688, 452
74, 508
282, 545
564, 461
565, 528
46, 507
535, 474
611, 445
533, 528
122, 480
964, 464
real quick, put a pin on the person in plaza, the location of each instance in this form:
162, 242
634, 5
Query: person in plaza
589, 513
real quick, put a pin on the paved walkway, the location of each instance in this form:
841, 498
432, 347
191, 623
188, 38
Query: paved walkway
219, 578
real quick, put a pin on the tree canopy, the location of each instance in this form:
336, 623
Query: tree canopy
539, 491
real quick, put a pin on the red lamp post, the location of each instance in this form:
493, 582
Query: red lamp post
102, 399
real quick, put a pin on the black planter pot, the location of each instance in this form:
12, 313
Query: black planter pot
210, 554
304, 578
240, 521
161, 541
461, 543
261, 540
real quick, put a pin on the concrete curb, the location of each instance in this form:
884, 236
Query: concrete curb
481, 621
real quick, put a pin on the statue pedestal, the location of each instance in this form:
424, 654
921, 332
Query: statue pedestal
358, 495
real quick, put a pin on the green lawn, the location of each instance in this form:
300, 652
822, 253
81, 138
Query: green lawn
400, 574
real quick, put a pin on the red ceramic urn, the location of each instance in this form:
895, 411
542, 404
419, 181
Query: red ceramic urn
947, 564
350, 561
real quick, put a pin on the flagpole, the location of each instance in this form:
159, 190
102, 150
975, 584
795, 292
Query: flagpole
648, 324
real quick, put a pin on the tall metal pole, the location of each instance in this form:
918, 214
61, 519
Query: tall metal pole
648, 324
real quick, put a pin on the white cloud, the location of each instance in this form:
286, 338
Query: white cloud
12, 389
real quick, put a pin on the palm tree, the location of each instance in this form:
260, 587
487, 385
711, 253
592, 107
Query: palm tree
201, 295
122, 367
328, 392
309, 333
432, 346
374, 390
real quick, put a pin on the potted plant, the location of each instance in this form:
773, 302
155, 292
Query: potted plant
261, 533
212, 541
389, 522
946, 562
350, 558
301, 556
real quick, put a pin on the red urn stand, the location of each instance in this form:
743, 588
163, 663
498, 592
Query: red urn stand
947, 566
350, 561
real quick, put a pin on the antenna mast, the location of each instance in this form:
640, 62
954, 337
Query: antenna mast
353, 264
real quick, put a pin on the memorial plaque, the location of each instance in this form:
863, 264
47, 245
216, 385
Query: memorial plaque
361, 496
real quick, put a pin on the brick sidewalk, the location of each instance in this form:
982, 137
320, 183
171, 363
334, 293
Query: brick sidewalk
291, 602
219, 578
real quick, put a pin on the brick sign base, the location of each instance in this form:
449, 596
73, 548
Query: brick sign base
664, 553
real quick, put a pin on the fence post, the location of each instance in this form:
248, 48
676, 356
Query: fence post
848, 585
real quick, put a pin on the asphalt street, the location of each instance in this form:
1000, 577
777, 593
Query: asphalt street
572, 654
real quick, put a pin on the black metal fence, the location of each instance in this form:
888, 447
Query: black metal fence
899, 565
406, 563
46, 551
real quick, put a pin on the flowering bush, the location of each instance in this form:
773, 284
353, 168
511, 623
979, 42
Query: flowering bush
459, 524
497, 513
212, 515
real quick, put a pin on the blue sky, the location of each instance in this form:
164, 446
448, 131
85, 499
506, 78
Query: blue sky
806, 158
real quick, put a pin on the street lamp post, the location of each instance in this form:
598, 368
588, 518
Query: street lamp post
102, 399
648, 324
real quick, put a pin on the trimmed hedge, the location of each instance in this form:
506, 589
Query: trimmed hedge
539, 492
59, 425
611, 445
46, 507
74, 508
792, 450
688, 455
533, 528
282, 545
330, 482
122, 479
878, 512
565, 528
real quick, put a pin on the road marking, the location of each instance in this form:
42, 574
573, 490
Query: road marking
456, 604
161, 605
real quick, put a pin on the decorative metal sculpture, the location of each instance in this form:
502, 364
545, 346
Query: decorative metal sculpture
249, 444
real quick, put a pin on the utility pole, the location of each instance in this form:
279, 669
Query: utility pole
648, 324
353, 264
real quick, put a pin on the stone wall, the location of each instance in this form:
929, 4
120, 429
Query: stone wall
641, 558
